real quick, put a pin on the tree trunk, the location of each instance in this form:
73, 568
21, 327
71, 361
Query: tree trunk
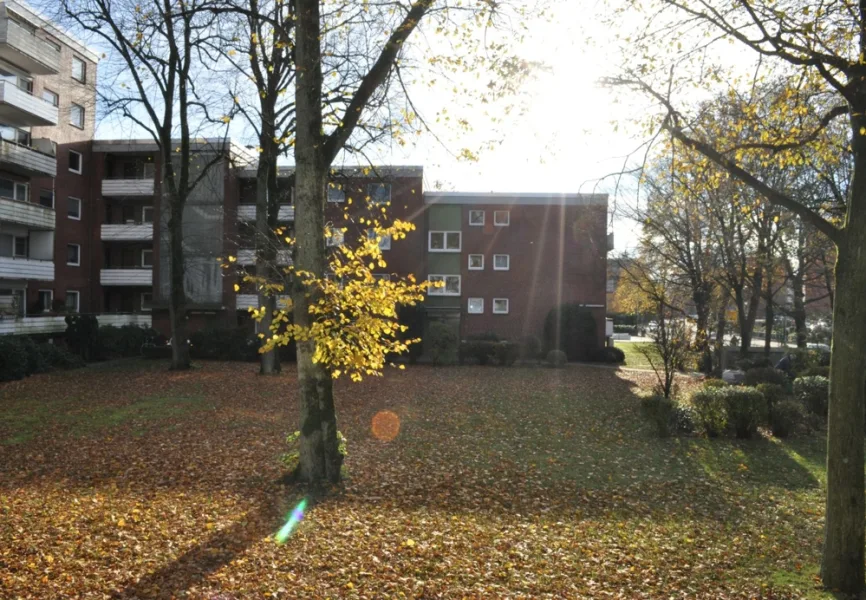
721, 322
320, 459
265, 253
177, 295
702, 334
842, 566
770, 319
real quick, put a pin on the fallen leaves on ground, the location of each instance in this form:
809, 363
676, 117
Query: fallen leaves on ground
127, 481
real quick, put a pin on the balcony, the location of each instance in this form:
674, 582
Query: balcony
247, 212
247, 301
25, 50
247, 257
21, 108
26, 268
31, 215
128, 232
120, 319
57, 323
127, 187
26, 161
130, 276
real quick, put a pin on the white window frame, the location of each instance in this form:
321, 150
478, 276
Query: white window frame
442, 291
469, 306
143, 307
68, 198
144, 210
336, 238
83, 64
481, 224
384, 240
507, 306
55, 101
80, 125
373, 201
444, 248
73, 264
150, 252
50, 302
497, 222
80, 162
469, 263
507, 266
339, 194
75, 294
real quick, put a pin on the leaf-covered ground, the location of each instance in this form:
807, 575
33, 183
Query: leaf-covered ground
127, 481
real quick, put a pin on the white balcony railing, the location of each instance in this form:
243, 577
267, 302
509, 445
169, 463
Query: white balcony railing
132, 232
28, 214
247, 212
26, 268
25, 50
127, 187
247, 301
20, 107
26, 161
247, 257
140, 277
57, 323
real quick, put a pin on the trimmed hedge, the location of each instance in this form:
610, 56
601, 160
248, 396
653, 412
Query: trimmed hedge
21, 357
747, 409
556, 358
237, 344
577, 332
785, 417
710, 410
607, 355
441, 342
124, 341
668, 416
530, 348
814, 393
759, 375
484, 352
773, 394
714, 382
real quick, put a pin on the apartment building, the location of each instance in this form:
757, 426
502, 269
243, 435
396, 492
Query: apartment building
47, 99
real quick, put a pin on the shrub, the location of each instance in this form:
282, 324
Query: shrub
820, 371
785, 417
530, 348
710, 411
556, 358
413, 318
684, 417
156, 350
765, 375
82, 335
36, 362
660, 412
772, 393
629, 329
814, 393
487, 336
57, 357
13, 360
124, 341
478, 350
506, 353
746, 408
714, 382
608, 354
224, 344
441, 342
576, 333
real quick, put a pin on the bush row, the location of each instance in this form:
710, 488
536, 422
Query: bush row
21, 357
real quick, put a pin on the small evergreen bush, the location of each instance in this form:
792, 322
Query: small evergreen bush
441, 342
746, 409
36, 362
772, 393
713, 382
57, 357
13, 360
556, 358
608, 354
814, 393
785, 417
124, 341
530, 348
765, 375
224, 344
576, 334
660, 412
710, 411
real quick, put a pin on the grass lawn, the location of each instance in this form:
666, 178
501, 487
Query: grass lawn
128, 481
634, 357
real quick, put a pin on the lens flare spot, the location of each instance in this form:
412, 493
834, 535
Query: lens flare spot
386, 425
295, 517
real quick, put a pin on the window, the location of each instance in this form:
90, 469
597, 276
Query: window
46, 300
79, 70
382, 276
72, 301
147, 258
51, 97
146, 301
14, 189
476, 217
19, 249
379, 193
149, 170
501, 218
500, 306
444, 241
451, 287
46, 198
335, 238
384, 241
476, 262
147, 214
336, 194
73, 208
476, 306
501, 262
76, 115
75, 162
14, 135
73, 254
